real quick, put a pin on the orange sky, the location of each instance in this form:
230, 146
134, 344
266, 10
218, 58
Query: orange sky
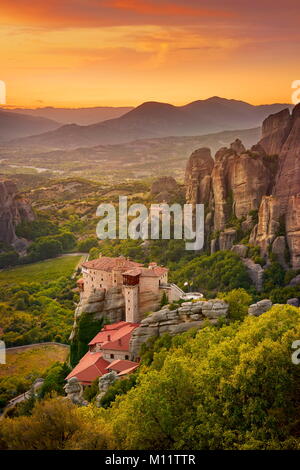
124, 52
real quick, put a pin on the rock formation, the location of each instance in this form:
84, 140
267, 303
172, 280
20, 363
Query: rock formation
253, 194
165, 189
198, 176
13, 210
260, 307
189, 315
108, 304
255, 272
74, 391
104, 383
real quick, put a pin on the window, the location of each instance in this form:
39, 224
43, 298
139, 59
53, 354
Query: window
112, 356
126, 357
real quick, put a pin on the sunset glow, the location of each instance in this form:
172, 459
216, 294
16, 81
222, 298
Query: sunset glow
124, 52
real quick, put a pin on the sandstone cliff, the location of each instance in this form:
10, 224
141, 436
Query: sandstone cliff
104, 304
13, 210
253, 195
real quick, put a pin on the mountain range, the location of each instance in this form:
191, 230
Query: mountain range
81, 116
153, 119
15, 125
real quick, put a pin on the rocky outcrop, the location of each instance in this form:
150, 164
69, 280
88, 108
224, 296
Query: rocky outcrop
13, 210
295, 281
260, 307
108, 304
234, 192
189, 315
74, 392
165, 189
275, 130
255, 272
198, 176
293, 229
104, 382
240, 250
268, 225
279, 250
227, 239
257, 191
294, 301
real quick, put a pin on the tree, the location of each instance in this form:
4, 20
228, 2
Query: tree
238, 301
273, 277
88, 327
164, 300
44, 248
229, 388
86, 245
9, 258
55, 379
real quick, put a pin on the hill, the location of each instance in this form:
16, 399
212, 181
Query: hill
152, 120
81, 116
15, 125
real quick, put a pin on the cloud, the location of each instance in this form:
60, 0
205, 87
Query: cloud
89, 13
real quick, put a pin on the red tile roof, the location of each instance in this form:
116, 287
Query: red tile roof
112, 332
111, 264
122, 365
91, 366
157, 271
127, 371
116, 338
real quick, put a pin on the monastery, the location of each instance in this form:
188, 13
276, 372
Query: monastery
142, 288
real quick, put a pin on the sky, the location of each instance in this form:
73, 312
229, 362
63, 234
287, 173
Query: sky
80, 53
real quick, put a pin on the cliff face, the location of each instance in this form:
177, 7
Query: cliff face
189, 315
13, 210
253, 194
102, 304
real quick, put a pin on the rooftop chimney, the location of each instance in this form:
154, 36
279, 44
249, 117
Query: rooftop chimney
152, 265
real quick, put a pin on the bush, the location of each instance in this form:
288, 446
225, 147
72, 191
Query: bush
86, 245
273, 277
8, 259
38, 228
239, 301
222, 271
55, 380
45, 248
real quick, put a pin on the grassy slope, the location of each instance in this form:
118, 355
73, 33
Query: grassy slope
37, 358
44, 271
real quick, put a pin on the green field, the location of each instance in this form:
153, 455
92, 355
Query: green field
43, 271
22, 362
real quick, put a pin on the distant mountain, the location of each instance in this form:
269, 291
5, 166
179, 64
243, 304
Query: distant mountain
80, 116
153, 119
15, 125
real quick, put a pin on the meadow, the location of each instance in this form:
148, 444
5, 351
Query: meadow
43, 271
37, 358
